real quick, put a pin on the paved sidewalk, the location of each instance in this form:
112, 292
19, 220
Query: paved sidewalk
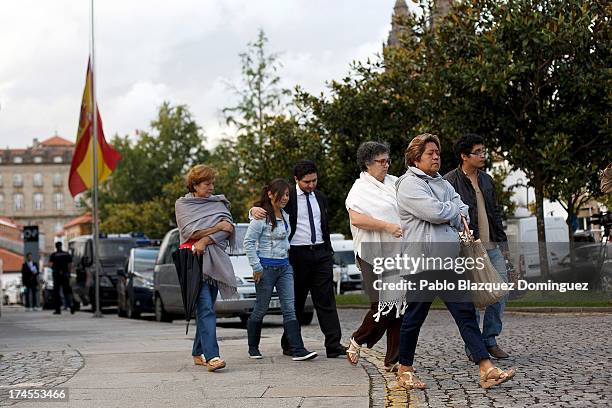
114, 362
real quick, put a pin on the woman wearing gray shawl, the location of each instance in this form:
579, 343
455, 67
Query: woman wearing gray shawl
205, 226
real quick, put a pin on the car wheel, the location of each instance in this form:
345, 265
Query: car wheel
306, 318
606, 282
160, 314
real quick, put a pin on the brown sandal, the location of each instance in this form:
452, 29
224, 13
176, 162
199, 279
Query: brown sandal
495, 376
215, 364
199, 360
410, 381
352, 352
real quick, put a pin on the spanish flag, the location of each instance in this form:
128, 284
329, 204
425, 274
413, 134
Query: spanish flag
81, 169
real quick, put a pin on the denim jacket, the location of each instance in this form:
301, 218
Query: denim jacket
261, 241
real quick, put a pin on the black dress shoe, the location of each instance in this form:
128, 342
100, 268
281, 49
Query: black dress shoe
498, 353
339, 351
57, 312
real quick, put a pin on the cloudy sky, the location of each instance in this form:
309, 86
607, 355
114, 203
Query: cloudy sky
183, 51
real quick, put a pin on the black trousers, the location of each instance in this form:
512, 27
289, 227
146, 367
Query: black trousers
313, 272
61, 281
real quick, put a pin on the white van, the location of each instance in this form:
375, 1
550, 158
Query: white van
346, 274
523, 243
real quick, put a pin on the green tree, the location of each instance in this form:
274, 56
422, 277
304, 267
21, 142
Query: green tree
533, 76
156, 157
261, 100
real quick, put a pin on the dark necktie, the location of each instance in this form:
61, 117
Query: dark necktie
313, 236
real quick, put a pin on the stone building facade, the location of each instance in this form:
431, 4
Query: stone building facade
34, 187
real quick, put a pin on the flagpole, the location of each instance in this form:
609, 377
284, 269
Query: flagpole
94, 144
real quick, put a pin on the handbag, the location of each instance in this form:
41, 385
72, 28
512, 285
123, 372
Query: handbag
474, 249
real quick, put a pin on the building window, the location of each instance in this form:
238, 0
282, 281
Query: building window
58, 159
58, 201
0, 180
39, 201
38, 159
59, 226
18, 201
57, 179
77, 201
17, 180
38, 180
1, 202
18, 159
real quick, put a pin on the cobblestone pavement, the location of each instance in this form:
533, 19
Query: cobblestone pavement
561, 361
36, 369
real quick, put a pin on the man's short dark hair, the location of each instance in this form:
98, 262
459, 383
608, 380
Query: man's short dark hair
465, 144
367, 151
58, 245
304, 167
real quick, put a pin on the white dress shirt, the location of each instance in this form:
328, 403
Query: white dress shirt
302, 228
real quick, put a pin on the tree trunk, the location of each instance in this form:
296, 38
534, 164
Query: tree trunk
570, 230
543, 251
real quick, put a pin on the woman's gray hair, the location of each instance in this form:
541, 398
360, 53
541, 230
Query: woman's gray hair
367, 151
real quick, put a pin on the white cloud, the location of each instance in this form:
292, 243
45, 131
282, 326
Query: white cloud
151, 51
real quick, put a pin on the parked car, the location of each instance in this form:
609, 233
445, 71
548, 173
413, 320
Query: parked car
523, 243
346, 274
168, 298
592, 264
113, 252
12, 293
135, 289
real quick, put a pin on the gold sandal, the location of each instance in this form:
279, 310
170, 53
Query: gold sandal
353, 350
410, 383
199, 360
215, 364
487, 380
392, 368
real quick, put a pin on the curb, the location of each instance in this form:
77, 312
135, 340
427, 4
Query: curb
384, 389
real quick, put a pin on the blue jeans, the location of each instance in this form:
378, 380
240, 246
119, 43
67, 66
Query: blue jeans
492, 323
280, 277
205, 341
31, 297
462, 312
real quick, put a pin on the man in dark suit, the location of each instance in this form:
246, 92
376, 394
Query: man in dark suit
311, 255
61, 261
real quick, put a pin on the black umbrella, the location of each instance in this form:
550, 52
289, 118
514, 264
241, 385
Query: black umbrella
188, 268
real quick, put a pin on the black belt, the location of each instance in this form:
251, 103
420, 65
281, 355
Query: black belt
312, 247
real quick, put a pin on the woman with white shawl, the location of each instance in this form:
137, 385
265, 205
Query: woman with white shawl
376, 230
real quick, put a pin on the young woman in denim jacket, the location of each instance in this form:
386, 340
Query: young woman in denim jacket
266, 244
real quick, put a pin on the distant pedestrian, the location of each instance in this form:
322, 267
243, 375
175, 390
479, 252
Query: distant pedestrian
29, 279
477, 190
61, 264
311, 255
372, 208
205, 225
266, 244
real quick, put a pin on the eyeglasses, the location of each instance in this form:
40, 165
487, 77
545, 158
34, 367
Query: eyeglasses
481, 153
382, 162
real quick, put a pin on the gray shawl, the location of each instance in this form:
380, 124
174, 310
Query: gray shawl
197, 213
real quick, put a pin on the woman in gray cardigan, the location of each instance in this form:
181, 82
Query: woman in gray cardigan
430, 211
